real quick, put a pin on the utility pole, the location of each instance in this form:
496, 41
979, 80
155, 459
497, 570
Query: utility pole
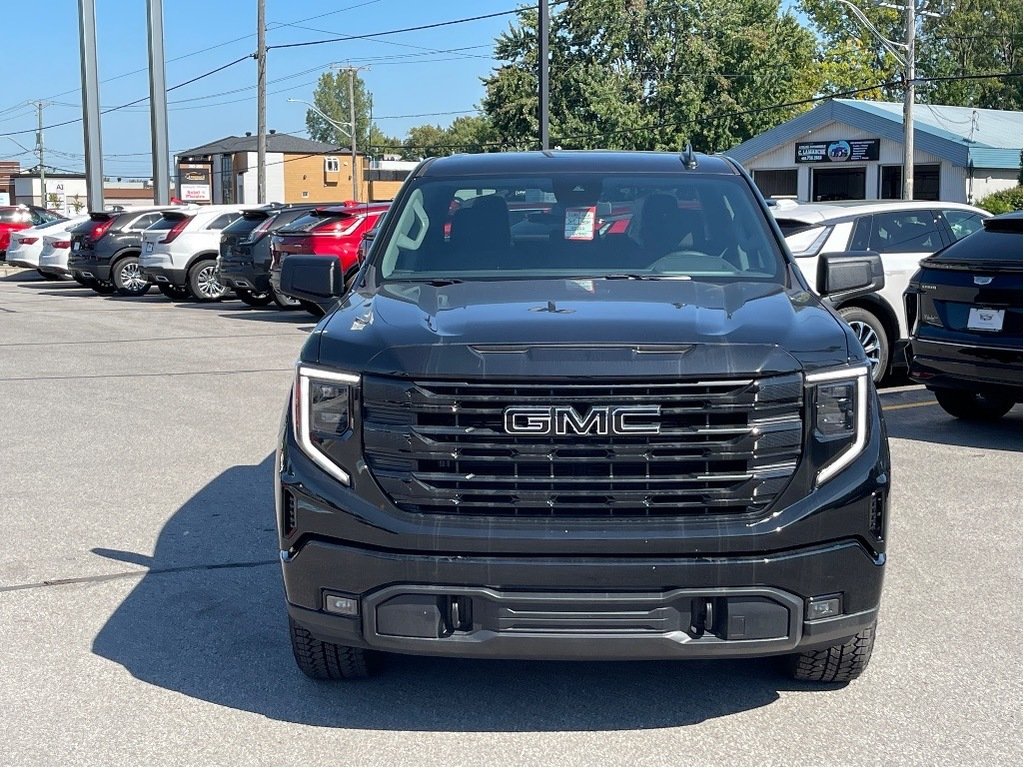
543, 35
908, 107
90, 104
352, 127
158, 102
261, 102
39, 145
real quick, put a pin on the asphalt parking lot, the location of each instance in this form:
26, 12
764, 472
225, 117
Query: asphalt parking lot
142, 620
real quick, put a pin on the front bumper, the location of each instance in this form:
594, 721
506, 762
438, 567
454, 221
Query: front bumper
583, 608
951, 365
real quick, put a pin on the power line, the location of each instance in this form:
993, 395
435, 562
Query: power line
272, 25
136, 101
419, 28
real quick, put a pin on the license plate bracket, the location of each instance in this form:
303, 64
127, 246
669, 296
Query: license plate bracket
985, 319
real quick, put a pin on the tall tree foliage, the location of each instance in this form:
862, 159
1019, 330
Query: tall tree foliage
973, 37
331, 97
652, 74
954, 38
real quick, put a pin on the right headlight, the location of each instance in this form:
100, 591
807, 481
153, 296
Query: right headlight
322, 414
840, 413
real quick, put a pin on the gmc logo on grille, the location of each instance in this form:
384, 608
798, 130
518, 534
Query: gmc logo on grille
565, 420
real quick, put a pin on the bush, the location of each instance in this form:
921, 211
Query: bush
1004, 201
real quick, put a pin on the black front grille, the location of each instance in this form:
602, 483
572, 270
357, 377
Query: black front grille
726, 447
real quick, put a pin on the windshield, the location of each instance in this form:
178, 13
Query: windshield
580, 225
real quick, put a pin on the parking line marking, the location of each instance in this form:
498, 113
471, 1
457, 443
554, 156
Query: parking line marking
908, 405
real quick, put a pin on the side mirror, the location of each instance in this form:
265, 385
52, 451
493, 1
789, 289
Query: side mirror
847, 274
364, 245
313, 278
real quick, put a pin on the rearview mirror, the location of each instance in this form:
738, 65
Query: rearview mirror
313, 278
844, 275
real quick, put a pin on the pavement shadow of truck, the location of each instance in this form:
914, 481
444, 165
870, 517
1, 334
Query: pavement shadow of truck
208, 620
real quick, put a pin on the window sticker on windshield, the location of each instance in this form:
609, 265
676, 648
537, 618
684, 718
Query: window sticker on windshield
579, 223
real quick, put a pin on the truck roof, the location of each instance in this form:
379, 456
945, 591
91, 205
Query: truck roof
573, 161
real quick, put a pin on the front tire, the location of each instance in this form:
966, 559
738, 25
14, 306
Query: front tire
128, 277
835, 664
870, 331
327, 661
203, 282
974, 406
254, 299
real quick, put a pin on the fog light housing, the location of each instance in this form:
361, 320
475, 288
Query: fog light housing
823, 607
343, 605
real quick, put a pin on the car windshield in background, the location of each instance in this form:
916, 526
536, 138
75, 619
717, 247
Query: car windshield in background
581, 225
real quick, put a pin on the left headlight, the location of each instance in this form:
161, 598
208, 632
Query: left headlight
840, 413
322, 414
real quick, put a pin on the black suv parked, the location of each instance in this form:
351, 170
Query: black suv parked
597, 444
105, 250
964, 308
245, 255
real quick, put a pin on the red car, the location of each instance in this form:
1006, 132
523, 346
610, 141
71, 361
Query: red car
335, 230
15, 217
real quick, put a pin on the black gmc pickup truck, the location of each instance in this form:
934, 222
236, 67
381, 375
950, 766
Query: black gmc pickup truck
582, 405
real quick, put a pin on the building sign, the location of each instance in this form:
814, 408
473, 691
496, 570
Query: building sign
194, 184
840, 151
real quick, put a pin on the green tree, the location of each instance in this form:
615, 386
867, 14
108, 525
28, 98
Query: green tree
652, 74
850, 55
955, 38
331, 98
972, 38
425, 141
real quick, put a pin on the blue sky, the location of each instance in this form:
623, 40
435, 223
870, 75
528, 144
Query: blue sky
407, 75
201, 35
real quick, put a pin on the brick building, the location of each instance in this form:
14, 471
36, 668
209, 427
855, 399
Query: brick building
298, 171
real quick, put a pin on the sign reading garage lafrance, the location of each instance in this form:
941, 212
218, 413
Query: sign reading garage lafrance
838, 151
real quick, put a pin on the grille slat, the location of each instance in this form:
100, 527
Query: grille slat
725, 448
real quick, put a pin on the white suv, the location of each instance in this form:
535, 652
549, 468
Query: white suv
902, 232
179, 251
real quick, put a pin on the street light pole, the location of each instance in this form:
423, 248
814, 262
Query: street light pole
543, 41
908, 107
261, 102
352, 123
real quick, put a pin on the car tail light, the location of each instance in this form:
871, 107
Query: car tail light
176, 230
337, 227
28, 240
261, 231
100, 229
61, 243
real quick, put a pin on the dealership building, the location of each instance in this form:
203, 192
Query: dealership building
853, 150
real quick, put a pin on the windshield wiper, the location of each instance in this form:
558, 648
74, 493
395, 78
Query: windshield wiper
638, 276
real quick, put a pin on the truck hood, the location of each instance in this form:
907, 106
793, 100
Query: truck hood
600, 327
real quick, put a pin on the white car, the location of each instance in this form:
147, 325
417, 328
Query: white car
27, 244
53, 258
179, 251
902, 232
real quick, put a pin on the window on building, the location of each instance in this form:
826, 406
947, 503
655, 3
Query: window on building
332, 165
780, 183
227, 178
838, 184
926, 182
